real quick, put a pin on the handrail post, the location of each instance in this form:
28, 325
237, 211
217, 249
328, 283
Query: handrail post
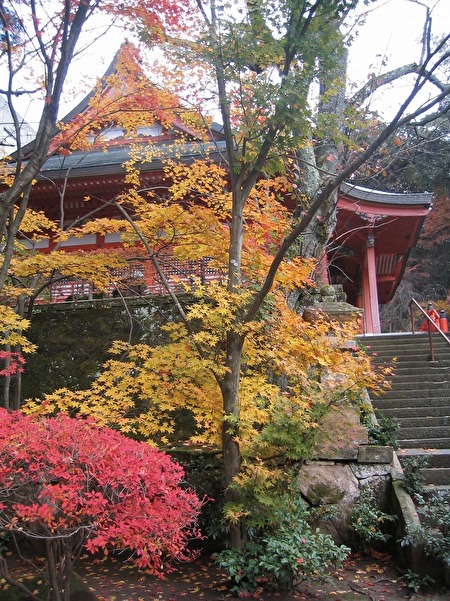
430, 338
411, 316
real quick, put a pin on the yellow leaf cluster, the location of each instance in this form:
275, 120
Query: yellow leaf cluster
141, 388
95, 267
203, 183
12, 327
36, 225
292, 370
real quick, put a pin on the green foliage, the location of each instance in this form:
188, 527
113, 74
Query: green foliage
384, 431
434, 530
4, 542
414, 480
290, 549
73, 344
415, 582
204, 475
368, 520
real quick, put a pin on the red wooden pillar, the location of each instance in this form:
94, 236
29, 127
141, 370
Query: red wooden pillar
370, 290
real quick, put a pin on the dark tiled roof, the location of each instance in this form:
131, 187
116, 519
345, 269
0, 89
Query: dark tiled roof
99, 162
389, 198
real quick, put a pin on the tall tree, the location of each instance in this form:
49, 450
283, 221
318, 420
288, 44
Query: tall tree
38, 44
264, 59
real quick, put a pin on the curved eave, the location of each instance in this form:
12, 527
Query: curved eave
378, 209
376, 199
98, 163
393, 220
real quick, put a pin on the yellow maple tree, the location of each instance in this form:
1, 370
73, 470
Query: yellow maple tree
142, 389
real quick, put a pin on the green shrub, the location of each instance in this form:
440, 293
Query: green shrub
415, 582
434, 530
204, 474
286, 552
413, 479
368, 521
383, 432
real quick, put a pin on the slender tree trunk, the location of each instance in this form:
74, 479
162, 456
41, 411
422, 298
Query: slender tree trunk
17, 388
6, 383
55, 79
316, 165
52, 570
230, 430
328, 155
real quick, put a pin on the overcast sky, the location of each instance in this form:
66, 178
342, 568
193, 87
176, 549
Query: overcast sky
387, 40
390, 39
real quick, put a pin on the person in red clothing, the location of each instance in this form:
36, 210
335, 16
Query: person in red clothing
434, 315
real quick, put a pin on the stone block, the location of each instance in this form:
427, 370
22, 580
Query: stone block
340, 435
334, 485
375, 454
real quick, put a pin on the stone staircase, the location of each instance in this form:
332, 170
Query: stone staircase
419, 398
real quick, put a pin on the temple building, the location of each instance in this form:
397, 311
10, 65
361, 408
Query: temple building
367, 255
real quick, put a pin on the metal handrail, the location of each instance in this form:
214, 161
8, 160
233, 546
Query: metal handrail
431, 323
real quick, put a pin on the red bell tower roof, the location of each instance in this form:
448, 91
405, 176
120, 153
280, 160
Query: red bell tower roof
388, 222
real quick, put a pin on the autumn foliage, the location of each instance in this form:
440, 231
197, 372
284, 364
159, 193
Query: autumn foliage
69, 483
256, 377
142, 387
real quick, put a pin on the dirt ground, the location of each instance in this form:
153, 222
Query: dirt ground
363, 578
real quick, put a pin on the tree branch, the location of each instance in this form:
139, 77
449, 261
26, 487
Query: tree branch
398, 121
163, 278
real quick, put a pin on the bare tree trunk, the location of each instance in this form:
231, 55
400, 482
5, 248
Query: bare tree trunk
52, 570
55, 79
230, 431
319, 164
6, 383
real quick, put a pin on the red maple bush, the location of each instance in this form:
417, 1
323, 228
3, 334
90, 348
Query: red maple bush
75, 486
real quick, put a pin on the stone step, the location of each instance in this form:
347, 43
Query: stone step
430, 433
437, 476
405, 353
400, 349
425, 443
400, 338
424, 376
413, 412
443, 491
418, 385
406, 363
408, 343
405, 366
423, 421
417, 399
436, 457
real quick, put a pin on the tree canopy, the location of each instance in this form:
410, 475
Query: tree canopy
68, 483
257, 376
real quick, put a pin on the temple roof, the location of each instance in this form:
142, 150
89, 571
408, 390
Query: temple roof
98, 162
393, 222
367, 195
